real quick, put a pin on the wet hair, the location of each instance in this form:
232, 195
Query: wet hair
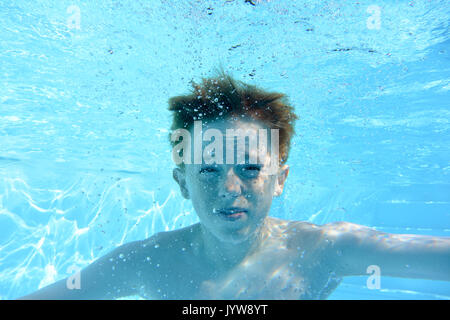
222, 97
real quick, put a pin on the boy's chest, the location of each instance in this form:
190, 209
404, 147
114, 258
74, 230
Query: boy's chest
281, 274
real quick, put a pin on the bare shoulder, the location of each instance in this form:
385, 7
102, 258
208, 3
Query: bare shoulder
299, 235
131, 256
165, 247
328, 236
172, 239
297, 230
343, 233
344, 227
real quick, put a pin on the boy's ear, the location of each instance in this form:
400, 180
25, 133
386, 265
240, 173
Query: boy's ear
179, 176
281, 179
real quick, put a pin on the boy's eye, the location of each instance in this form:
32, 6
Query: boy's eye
208, 170
251, 169
257, 168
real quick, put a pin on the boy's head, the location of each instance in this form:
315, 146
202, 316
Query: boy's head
222, 97
232, 199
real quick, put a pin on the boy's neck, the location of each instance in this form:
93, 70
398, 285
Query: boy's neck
223, 255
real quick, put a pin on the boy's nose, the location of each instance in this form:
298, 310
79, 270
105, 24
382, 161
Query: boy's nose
232, 186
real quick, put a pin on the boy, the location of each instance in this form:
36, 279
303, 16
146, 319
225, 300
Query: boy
236, 251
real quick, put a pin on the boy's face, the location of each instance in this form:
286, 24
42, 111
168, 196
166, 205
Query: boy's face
232, 199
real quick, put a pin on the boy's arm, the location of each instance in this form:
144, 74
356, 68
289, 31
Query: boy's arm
356, 247
110, 277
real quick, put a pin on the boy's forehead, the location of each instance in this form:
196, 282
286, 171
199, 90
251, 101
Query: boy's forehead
236, 140
231, 130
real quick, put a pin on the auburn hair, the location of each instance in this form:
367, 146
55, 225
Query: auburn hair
222, 97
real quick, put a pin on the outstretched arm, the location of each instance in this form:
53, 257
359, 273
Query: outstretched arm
109, 277
356, 247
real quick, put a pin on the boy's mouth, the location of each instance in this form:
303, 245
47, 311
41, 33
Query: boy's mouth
233, 213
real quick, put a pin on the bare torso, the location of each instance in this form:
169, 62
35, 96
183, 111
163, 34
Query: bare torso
292, 260
291, 263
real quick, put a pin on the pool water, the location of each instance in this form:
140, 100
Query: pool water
85, 163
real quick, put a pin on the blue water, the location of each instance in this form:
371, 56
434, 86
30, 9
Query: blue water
85, 163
